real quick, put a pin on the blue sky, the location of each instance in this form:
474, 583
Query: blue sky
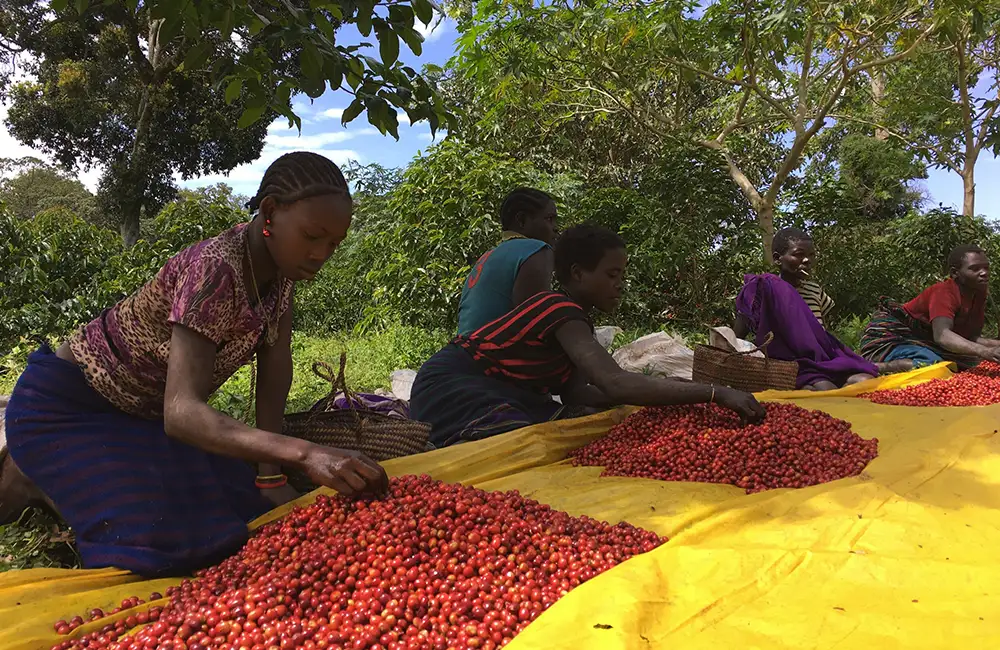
323, 133
360, 141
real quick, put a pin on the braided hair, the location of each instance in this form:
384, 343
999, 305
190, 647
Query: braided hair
300, 175
522, 200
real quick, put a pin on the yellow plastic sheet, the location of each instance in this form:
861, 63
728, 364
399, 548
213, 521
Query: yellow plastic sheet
902, 556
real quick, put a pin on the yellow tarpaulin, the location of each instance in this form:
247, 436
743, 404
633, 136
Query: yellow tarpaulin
902, 556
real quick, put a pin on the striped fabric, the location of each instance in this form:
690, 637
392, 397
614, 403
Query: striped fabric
521, 345
135, 498
892, 327
819, 302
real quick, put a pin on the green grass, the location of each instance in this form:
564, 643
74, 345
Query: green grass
36, 540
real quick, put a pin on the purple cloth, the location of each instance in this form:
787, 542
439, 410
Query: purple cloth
773, 305
396, 408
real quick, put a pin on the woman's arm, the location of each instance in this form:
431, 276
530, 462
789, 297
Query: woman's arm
188, 418
946, 337
534, 276
274, 380
622, 387
579, 392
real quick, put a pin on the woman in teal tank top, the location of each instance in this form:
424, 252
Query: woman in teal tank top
518, 268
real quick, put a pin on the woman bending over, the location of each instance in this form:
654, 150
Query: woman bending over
502, 376
114, 427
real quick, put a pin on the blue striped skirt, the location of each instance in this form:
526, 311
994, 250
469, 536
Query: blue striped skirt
135, 498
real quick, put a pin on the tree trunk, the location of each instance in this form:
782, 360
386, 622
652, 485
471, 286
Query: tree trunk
130, 227
878, 112
969, 192
765, 221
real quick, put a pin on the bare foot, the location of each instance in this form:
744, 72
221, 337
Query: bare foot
893, 367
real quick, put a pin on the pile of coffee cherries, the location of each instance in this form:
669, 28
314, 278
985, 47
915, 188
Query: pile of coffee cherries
793, 447
430, 566
979, 386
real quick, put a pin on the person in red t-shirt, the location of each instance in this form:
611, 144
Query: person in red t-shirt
944, 323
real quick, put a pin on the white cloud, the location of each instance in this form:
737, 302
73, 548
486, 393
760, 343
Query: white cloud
246, 178
317, 141
331, 114
438, 27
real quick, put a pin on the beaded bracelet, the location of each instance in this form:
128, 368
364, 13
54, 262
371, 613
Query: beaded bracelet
269, 482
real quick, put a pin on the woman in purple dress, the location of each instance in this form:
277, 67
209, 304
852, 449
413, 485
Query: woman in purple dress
114, 426
793, 308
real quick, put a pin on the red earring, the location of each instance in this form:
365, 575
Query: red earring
266, 232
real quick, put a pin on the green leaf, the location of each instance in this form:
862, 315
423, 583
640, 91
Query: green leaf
233, 90
351, 112
58, 5
388, 45
413, 40
81, 6
401, 16
251, 115
364, 22
197, 56
228, 22
311, 62
324, 25
424, 11
313, 88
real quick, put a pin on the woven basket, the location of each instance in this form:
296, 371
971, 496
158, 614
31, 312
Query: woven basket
378, 436
740, 371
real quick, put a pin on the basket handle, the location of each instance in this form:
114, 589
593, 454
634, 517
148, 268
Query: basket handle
338, 384
760, 348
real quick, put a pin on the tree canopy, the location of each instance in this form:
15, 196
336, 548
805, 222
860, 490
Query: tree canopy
154, 88
31, 186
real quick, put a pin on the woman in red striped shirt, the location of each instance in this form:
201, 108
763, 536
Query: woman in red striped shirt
503, 375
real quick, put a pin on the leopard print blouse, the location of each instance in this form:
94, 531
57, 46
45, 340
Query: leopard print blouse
124, 351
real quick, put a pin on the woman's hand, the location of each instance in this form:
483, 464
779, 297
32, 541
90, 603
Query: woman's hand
348, 472
743, 404
280, 496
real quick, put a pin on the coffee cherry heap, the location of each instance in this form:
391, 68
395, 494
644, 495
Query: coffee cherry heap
792, 447
979, 386
431, 566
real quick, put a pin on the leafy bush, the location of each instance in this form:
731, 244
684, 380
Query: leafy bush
60, 271
440, 219
898, 259
690, 236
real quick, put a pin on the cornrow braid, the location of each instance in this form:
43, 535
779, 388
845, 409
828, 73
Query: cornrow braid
300, 175
525, 200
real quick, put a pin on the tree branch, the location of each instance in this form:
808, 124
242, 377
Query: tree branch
963, 94
943, 157
737, 118
741, 179
899, 56
775, 104
142, 64
800, 112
